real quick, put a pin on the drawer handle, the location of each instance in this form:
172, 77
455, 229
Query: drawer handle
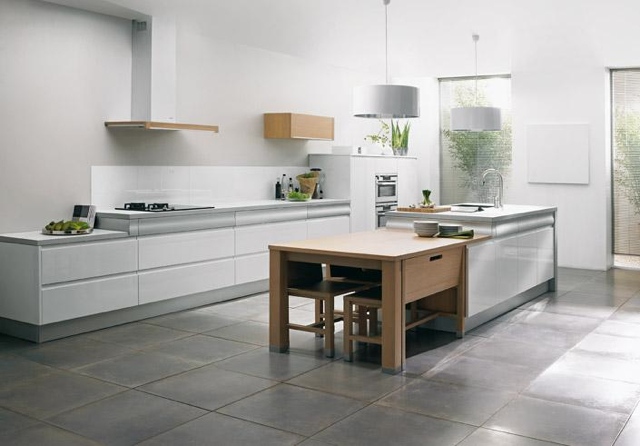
436, 257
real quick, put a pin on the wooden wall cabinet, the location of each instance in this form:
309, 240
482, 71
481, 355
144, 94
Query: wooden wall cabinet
297, 126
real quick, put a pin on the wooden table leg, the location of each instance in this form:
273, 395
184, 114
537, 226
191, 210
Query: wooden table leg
392, 318
278, 302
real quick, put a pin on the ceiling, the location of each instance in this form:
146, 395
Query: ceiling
426, 38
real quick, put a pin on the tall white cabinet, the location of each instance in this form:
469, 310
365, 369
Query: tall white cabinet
353, 177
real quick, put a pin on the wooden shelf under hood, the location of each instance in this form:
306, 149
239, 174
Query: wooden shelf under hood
155, 125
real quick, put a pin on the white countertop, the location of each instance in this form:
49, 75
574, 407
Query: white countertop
234, 206
40, 239
508, 212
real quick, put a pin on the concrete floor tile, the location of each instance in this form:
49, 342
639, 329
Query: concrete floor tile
586, 391
293, 409
226, 431
53, 393
486, 437
43, 434
126, 418
195, 321
557, 422
208, 387
382, 426
137, 368
276, 366
354, 380
464, 404
201, 350
137, 335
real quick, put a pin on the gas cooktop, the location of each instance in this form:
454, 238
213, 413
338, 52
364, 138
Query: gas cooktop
160, 207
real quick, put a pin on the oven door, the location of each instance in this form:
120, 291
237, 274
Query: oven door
381, 213
386, 188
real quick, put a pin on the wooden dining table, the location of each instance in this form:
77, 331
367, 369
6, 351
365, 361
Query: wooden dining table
412, 268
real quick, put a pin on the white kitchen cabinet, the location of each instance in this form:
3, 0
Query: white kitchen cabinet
409, 192
527, 261
324, 227
546, 256
257, 238
186, 247
167, 283
353, 176
481, 260
506, 268
252, 267
85, 260
89, 297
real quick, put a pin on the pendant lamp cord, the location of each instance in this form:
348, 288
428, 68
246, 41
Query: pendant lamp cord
386, 42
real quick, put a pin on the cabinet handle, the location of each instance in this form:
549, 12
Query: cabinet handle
436, 257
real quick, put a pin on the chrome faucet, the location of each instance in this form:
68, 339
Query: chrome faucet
497, 201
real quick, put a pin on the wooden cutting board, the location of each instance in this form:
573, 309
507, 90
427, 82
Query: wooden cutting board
427, 210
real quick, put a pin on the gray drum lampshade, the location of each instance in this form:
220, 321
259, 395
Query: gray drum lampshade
476, 119
386, 101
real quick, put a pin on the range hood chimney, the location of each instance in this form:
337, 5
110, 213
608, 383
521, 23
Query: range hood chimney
153, 71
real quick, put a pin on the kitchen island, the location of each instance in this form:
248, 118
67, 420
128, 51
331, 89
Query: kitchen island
517, 264
136, 265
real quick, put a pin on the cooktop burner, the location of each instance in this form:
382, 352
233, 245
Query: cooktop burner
160, 207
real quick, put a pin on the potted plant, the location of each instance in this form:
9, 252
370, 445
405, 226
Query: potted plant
399, 137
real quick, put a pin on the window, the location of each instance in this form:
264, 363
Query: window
465, 155
625, 113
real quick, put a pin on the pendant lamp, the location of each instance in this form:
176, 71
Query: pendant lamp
476, 118
386, 101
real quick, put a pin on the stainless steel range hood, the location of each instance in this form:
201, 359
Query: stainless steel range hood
153, 68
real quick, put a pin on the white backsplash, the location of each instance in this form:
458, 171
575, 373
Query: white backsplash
112, 186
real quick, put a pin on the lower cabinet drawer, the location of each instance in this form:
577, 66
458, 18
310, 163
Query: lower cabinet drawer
167, 283
252, 268
79, 299
85, 260
429, 274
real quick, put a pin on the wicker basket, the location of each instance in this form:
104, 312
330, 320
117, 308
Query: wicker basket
308, 185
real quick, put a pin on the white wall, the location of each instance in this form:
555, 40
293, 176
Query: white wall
65, 71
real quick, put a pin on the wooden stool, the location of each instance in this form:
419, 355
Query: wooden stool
366, 305
307, 281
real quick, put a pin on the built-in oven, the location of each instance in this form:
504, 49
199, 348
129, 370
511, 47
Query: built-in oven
381, 212
386, 188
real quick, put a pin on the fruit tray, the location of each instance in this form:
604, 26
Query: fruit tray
67, 232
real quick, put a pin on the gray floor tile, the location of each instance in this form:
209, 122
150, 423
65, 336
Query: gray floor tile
220, 429
631, 316
384, 426
14, 369
54, 393
43, 434
137, 368
195, 321
565, 304
12, 421
478, 372
563, 322
486, 437
586, 391
465, 404
561, 423
617, 328
539, 334
201, 350
293, 409
276, 366
10, 344
73, 352
596, 300
138, 335
630, 435
243, 308
614, 346
256, 333
354, 380
208, 387
437, 355
532, 355
589, 364
126, 418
